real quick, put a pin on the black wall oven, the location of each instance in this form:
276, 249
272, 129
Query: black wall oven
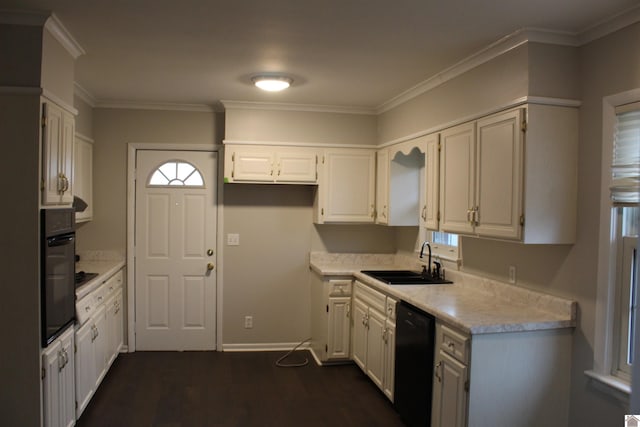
58, 294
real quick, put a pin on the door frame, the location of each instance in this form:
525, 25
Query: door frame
132, 150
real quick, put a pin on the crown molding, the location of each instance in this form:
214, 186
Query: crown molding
36, 18
252, 105
84, 94
125, 105
610, 25
64, 37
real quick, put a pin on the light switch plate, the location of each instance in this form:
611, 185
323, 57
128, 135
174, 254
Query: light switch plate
233, 239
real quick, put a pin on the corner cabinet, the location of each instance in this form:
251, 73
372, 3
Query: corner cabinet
83, 175
58, 381
58, 131
346, 187
270, 164
330, 320
486, 172
480, 379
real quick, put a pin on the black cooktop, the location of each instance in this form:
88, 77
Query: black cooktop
83, 277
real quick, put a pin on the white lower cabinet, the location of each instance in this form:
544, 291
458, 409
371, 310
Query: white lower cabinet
58, 383
98, 339
330, 320
373, 337
481, 380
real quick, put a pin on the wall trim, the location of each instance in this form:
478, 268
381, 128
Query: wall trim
274, 106
84, 138
125, 105
84, 94
609, 25
63, 36
61, 103
558, 102
264, 347
295, 144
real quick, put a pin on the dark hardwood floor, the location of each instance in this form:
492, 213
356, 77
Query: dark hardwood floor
184, 389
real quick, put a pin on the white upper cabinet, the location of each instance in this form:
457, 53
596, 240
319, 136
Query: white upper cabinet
491, 185
346, 191
83, 176
58, 130
269, 164
430, 194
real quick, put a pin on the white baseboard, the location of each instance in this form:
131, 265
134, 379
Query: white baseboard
264, 346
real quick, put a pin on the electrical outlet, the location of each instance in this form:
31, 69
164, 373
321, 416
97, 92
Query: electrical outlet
233, 239
512, 274
248, 322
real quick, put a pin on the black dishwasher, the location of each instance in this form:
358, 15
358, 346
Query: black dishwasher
415, 333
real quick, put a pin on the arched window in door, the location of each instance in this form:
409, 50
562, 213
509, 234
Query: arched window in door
176, 173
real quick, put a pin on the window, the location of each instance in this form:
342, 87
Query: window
616, 323
625, 173
176, 173
443, 245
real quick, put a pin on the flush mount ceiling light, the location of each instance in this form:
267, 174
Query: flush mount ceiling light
272, 83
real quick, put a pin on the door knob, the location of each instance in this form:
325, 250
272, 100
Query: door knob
209, 252
210, 266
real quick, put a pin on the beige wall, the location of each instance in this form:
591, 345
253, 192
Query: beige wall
58, 68
84, 119
496, 82
21, 50
300, 126
113, 129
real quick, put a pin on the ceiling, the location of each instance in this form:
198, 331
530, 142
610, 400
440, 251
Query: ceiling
351, 53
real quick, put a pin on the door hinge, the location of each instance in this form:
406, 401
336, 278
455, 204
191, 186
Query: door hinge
322, 211
466, 385
439, 146
43, 119
438, 216
326, 348
75, 348
44, 373
327, 308
323, 160
524, 125
233, 157
522, 220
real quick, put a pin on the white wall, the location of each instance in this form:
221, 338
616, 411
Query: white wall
58, 68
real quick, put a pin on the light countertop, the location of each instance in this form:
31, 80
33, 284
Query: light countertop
471, 303
105, 269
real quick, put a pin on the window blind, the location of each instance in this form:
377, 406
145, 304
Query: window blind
625, 168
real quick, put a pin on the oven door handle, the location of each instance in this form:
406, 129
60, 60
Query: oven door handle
59, 241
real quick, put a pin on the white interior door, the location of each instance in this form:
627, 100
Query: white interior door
175, 250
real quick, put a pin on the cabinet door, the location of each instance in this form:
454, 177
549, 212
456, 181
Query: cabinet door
66, 156
296, 166
338, 336
389, 359
85, 366
110, 348
457, 174
83, 176
498, 188
359, 336
449, 393
100, 343
382, 187
67, 380
376, 347
119, 323
52, 362
349, 186
52, 181
429, 214
252, 164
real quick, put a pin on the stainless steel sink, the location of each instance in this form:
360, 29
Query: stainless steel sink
404, 277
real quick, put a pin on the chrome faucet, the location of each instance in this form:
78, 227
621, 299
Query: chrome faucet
422, 254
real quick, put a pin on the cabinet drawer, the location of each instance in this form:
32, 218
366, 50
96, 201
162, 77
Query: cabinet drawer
372, 297
391, 309
454, 343
339, 288
112, 284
